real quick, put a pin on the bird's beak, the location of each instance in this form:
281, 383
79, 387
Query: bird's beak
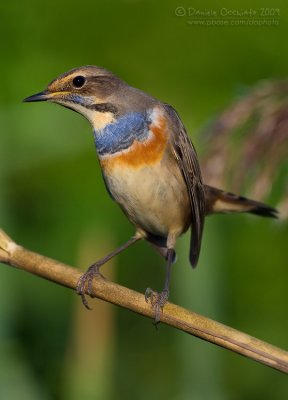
42, 96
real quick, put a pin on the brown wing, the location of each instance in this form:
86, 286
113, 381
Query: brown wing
187, 160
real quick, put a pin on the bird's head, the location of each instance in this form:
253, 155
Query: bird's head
89, 90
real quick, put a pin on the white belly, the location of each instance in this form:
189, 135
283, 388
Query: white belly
153, 197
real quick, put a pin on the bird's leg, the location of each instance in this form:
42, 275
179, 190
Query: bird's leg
84, 284
158, 300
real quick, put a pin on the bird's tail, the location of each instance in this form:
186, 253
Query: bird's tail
218, 201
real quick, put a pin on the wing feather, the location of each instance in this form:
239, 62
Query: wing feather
186, 157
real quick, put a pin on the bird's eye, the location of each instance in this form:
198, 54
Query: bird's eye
79, 81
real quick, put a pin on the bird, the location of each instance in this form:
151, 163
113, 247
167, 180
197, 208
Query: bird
150, 168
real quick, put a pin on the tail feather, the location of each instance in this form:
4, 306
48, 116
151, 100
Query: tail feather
218, 201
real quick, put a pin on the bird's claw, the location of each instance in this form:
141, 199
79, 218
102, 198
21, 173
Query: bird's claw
158, 301
84, 285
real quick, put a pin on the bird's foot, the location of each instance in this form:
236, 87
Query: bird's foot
84, 285
157, 300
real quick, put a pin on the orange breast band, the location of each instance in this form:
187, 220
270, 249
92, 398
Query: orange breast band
141, 153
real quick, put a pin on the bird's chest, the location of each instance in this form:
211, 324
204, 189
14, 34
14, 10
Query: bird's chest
142, 175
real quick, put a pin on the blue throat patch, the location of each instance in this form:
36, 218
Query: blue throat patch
120, 135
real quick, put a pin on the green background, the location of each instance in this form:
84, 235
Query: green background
53, 201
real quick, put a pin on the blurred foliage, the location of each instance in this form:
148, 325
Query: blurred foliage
252, 135
53, 201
